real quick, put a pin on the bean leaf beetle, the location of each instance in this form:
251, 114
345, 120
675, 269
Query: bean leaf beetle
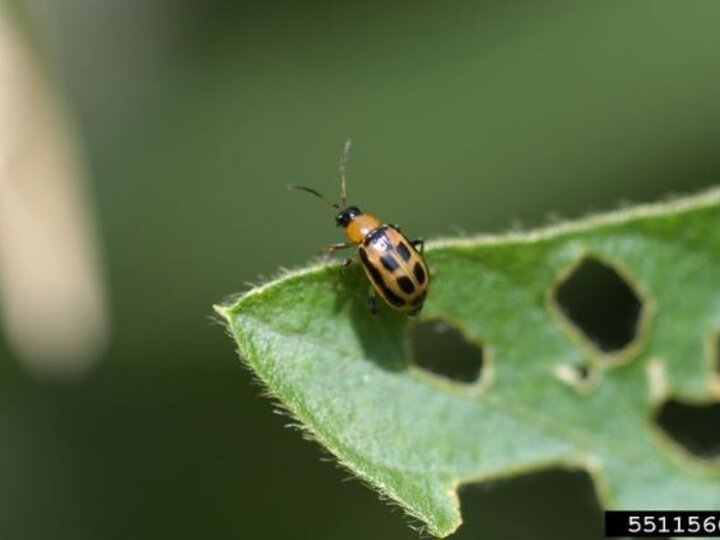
394, 265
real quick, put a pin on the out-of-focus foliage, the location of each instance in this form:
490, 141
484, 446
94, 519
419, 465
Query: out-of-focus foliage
196, 114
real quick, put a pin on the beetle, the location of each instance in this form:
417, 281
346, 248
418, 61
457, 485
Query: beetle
394, 265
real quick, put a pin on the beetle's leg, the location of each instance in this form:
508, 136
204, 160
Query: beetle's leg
332, 248
419, 242
346, 264
372, 301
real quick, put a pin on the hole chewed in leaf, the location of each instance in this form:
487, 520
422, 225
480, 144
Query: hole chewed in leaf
556, 503
694, 427
601, 304
582, 377
583, 372
442, 349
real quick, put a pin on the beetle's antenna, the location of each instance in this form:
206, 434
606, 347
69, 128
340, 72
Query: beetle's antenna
343, 178
316, 193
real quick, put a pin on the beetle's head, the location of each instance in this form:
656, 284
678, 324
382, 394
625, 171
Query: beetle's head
345, 216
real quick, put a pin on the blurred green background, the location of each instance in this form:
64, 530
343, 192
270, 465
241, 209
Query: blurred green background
195, 115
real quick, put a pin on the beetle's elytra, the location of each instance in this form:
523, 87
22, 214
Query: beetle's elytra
394, 265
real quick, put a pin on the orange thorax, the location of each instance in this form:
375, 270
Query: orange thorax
360, 227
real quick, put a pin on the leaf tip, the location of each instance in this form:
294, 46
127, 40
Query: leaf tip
223, 311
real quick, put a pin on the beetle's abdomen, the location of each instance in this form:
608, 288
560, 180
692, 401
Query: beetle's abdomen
395, 268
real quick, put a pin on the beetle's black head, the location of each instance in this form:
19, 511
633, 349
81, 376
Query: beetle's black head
344, 218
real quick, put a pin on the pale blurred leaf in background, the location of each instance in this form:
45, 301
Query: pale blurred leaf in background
52, 299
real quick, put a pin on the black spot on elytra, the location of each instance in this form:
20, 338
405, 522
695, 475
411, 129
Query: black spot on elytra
695, 427
419, 299
601, 304
403, 251
419, 273
379, 282
392, 298
375, 235
389, 262
406, 284
442, 349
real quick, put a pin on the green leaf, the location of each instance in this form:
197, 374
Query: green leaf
416, 436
